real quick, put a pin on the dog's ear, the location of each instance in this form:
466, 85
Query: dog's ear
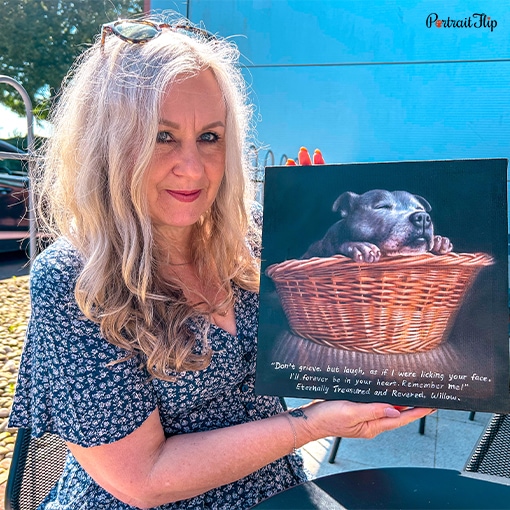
344, 203
424, 203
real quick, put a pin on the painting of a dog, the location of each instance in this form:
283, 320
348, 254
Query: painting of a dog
380, 223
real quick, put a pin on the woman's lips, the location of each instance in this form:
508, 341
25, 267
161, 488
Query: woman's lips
184, 195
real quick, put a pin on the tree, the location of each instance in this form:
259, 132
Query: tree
39, 40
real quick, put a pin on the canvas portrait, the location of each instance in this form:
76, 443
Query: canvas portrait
386, 282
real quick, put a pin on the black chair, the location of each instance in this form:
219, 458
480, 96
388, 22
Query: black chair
334, 450
491, 455
37, 464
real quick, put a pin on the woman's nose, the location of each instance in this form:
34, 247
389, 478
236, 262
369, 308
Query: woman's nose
189, 162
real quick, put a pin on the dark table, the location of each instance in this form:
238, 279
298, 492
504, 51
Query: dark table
396, 488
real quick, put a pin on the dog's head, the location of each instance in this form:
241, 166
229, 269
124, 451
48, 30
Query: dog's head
397, 222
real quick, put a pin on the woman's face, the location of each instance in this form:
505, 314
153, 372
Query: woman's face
189, 160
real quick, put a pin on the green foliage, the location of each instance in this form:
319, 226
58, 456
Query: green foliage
39, 40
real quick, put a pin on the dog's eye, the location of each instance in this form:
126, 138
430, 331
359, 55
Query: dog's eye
383, 206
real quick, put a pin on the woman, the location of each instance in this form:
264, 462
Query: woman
140, 351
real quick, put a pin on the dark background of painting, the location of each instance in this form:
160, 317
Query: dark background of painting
469, 205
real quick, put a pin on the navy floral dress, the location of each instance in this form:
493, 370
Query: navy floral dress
66, 387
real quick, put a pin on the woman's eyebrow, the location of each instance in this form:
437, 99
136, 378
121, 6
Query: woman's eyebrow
174, 125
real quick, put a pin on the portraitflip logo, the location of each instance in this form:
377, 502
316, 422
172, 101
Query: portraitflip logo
476, 20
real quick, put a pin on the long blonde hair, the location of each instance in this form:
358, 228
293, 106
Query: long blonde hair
91, 189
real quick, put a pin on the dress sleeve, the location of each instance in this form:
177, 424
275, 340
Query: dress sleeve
67, 383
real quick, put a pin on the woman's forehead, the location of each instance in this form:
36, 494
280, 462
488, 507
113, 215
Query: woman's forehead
198, 95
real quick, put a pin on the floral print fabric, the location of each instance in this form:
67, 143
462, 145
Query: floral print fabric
68, 386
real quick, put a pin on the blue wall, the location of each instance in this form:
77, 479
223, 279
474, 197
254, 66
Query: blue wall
367, 80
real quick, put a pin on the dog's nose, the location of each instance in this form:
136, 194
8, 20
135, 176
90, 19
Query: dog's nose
420, 219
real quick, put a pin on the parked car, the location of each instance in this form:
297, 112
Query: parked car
14, 224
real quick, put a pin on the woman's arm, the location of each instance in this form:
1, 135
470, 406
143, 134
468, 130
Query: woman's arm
145, 469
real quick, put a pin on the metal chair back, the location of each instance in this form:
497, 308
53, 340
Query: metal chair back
491, 455
37, 464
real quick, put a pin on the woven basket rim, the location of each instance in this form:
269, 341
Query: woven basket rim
399, 263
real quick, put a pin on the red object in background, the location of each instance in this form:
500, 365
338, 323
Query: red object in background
290, 162
304, 157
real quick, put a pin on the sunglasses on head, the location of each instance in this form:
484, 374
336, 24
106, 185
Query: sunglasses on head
142, 31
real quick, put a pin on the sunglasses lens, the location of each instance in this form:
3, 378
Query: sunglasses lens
136, 32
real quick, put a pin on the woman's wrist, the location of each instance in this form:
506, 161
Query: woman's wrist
297, 419
294, 434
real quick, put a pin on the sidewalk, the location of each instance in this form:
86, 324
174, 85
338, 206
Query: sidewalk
447, 443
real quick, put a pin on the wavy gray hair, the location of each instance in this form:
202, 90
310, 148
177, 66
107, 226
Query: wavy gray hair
92, 189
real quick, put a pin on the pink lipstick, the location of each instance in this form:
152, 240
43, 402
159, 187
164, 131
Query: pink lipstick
184, 195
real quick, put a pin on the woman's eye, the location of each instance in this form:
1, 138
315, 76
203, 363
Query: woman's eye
164, 137
209, 137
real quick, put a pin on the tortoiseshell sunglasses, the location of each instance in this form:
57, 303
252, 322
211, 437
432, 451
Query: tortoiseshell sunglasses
142, 31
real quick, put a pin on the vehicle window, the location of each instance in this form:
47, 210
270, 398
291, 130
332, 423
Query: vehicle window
13, 166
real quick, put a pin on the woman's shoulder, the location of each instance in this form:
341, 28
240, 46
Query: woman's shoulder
58, 265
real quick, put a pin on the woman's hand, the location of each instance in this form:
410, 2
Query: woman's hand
304, 158
350, 419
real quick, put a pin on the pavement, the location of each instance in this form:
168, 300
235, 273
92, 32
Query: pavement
449, 439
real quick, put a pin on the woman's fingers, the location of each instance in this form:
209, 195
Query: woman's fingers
317, 158
354, 419
389, 418
304, 157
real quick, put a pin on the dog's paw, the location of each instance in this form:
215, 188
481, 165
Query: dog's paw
441, 245
361, 252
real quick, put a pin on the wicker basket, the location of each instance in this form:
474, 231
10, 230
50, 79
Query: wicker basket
397, 305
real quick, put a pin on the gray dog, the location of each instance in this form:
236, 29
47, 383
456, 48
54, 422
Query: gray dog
380, 222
